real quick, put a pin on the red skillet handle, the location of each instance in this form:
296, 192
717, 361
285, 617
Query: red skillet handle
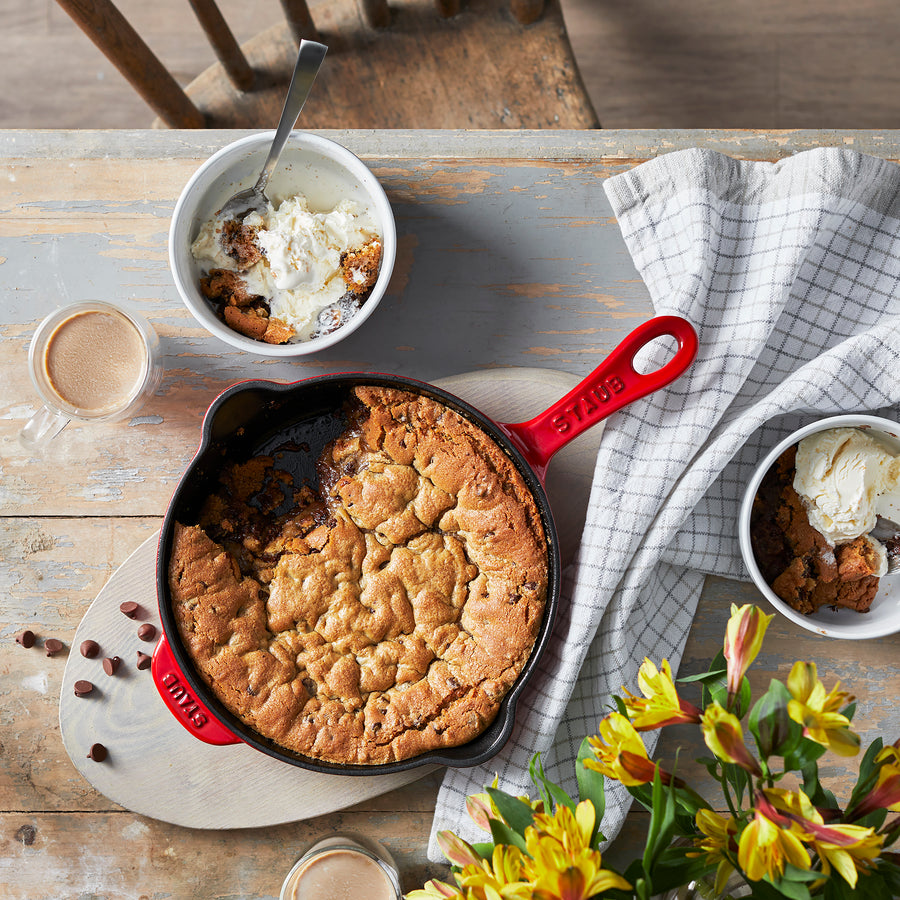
182, 703
612, 385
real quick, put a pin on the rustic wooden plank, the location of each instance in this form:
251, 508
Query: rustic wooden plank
41, 790
53, 569
86, 215
622, 147
516, 283
116, 856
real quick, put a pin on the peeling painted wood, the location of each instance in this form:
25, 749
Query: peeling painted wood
506, 243
632, 144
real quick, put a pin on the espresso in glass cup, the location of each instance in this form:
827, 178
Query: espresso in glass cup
343, 868
90, 362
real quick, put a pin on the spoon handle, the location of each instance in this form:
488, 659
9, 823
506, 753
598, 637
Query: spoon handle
309, 59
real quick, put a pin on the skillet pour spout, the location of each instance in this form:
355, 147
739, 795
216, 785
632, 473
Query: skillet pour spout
253, 418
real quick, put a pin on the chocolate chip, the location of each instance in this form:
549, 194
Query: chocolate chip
143, 660
26, 834
89, 649
25, 638
147, 632
52, 646
83, 688
97, 752
130, 608
111, 664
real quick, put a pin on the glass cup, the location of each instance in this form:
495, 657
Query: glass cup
90, 362
343, 868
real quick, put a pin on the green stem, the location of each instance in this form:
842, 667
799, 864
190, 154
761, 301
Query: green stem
723, 781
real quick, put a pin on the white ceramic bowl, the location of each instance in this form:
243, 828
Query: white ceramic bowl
325, 172
883, 617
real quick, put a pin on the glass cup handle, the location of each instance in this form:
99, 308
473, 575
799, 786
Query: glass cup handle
43, 426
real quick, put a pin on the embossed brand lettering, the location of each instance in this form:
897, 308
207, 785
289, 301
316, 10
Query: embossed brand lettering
184, 700
586, 404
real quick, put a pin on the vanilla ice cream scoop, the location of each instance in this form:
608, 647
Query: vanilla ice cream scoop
299, 269
846, 479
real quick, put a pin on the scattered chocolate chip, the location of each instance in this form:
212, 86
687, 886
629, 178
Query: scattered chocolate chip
83, 688
143, 660
111, 664
89, 649
147, 632
97, 752
52, 646
25, 638
130, 608
26, 834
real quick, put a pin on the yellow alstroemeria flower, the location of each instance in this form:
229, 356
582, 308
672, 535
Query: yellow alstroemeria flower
562, 864
846, 848
660, 704
457, 851
620, 753
886, 793
724, 736
768, 843
499, 877
718, 843
436, 890
817, 710
743, 640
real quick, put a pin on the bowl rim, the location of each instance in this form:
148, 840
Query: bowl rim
328, 149
864, 630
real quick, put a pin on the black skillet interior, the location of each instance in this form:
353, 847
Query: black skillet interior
294, 422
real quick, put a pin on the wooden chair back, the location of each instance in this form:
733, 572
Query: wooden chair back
403, 64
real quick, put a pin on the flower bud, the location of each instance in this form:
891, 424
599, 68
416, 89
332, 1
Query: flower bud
743, 641
723, 735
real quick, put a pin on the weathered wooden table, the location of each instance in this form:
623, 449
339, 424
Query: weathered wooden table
508, 256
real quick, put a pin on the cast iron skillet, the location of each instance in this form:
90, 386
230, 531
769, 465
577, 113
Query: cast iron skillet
258, 417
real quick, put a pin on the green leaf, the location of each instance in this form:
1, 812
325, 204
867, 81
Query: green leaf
673, 869
742, 701
484, 849
515, 812
662, 824
793, 890
776, 733
643, 793
794, 873
536, 771
704, 677
503, 834
591, 786
877, 884
868, 773
803, 754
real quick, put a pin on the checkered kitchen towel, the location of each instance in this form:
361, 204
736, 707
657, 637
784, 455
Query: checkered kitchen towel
791, 273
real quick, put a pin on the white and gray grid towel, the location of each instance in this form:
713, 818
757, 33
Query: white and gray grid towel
791, 273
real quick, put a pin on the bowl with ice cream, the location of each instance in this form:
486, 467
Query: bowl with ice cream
303, 274
816, 527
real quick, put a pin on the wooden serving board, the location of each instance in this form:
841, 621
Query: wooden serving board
156, 768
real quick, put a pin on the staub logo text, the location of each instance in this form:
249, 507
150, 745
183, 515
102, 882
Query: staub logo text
182, 698
587, 403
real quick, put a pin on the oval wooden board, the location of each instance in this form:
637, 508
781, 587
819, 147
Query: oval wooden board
156, 768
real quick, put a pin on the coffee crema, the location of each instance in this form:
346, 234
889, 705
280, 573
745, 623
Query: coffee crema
95, 361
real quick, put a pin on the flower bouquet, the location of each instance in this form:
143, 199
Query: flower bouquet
776, 831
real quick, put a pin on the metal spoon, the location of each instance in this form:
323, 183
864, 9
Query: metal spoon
888, 533
254, 199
